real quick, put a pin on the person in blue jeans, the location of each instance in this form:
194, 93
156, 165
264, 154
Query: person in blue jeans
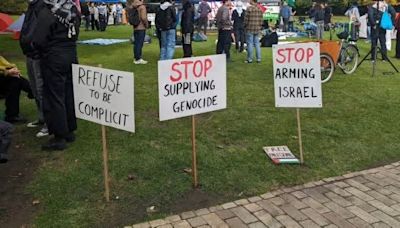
139, 31
166, 22
253, 23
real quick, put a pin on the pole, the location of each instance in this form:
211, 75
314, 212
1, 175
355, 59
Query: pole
105, 163
299, 132
194, 156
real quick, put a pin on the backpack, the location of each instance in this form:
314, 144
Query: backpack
28, 29
133, 16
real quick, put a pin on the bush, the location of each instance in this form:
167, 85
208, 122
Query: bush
13, 6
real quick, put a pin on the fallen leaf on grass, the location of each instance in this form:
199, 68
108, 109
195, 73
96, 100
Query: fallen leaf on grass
151, 209
35, 202
187, 170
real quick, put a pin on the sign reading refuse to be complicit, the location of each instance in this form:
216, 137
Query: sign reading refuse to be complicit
297, 75
191, 86
104, 96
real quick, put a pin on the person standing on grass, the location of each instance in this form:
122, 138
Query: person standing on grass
187, 27
203, 10
319, 17
166, 22
55, 38
86, 14
139, 31
285, 13
253, 23
5, 140
102, 16
224, 25
328, 15
33, 62
238, 26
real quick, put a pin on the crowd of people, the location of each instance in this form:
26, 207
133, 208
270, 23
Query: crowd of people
97, 16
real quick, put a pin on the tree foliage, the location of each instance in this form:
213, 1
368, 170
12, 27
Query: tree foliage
13, 6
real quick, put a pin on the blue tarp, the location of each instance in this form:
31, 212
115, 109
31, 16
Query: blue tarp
17, 25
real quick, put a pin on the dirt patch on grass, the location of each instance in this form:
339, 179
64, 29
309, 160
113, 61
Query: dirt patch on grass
16, 207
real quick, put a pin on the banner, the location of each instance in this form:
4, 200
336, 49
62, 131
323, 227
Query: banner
191, 86
297, 75
104, 96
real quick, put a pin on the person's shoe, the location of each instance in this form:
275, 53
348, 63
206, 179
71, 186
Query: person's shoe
70, 138
247, 61
55, 144
15, 119
140, 61
34, 124
258, 61
43, 132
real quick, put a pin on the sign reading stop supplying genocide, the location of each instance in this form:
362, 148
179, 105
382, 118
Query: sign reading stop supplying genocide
104, 96
191, 86
297, 75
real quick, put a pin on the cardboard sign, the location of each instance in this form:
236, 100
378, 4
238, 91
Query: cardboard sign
281, 155
104, 96
297, 75
191, 86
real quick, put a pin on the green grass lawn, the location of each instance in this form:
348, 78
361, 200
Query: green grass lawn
357, 128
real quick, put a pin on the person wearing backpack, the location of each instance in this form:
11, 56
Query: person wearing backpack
166, 22
187, 27
137, 17
375, 15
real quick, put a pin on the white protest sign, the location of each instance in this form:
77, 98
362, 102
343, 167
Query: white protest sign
297, 75
104, 96
191, 86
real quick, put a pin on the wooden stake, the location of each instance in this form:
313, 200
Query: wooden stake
194, 155
299, 133
105, 163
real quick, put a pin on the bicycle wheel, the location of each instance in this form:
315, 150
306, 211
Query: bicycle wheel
327, 67
349, 59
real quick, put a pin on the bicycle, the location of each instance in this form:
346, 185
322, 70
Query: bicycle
343, 53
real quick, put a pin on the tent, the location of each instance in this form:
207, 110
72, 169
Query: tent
5, 21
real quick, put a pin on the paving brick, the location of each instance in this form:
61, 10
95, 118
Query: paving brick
341, 184
357, 185
241, 202
293, 201
204, 226
287, 221
270, 208
253, 207
377, 181
277, 201
359, 223
360, 179
367, 207
309, 185
293, 212
277, 192
315, 216
331, 226
381, 206
255, 199
299, 194
257, 225
355, 200
316, 195
158, 222
363, 214
165, 226
337, 190
244, 215
267, 195
343, 212
315, 205
308, 224
338, 220
287, 190
142, 225
172, 218
228, 205
378, 188
396, 207
201, 212
382, 198
235, 223
213, 220
359, 194
380, 225
386, 218
197, 221
393, 189
267, 219
225, 214
188, 214
181, 224
216, 208
338, 199
395, 197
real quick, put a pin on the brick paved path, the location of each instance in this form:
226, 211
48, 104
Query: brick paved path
369, 198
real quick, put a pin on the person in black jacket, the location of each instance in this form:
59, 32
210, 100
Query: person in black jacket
375, 13
86, 14
166, 23
187, 27
319, 17
238, 26
55, 39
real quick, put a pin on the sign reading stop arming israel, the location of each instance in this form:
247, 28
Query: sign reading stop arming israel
191, 86
297, 75
104, 96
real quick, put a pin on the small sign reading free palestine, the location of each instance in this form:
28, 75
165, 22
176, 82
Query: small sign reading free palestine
104, 96
297, 75
281, 155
